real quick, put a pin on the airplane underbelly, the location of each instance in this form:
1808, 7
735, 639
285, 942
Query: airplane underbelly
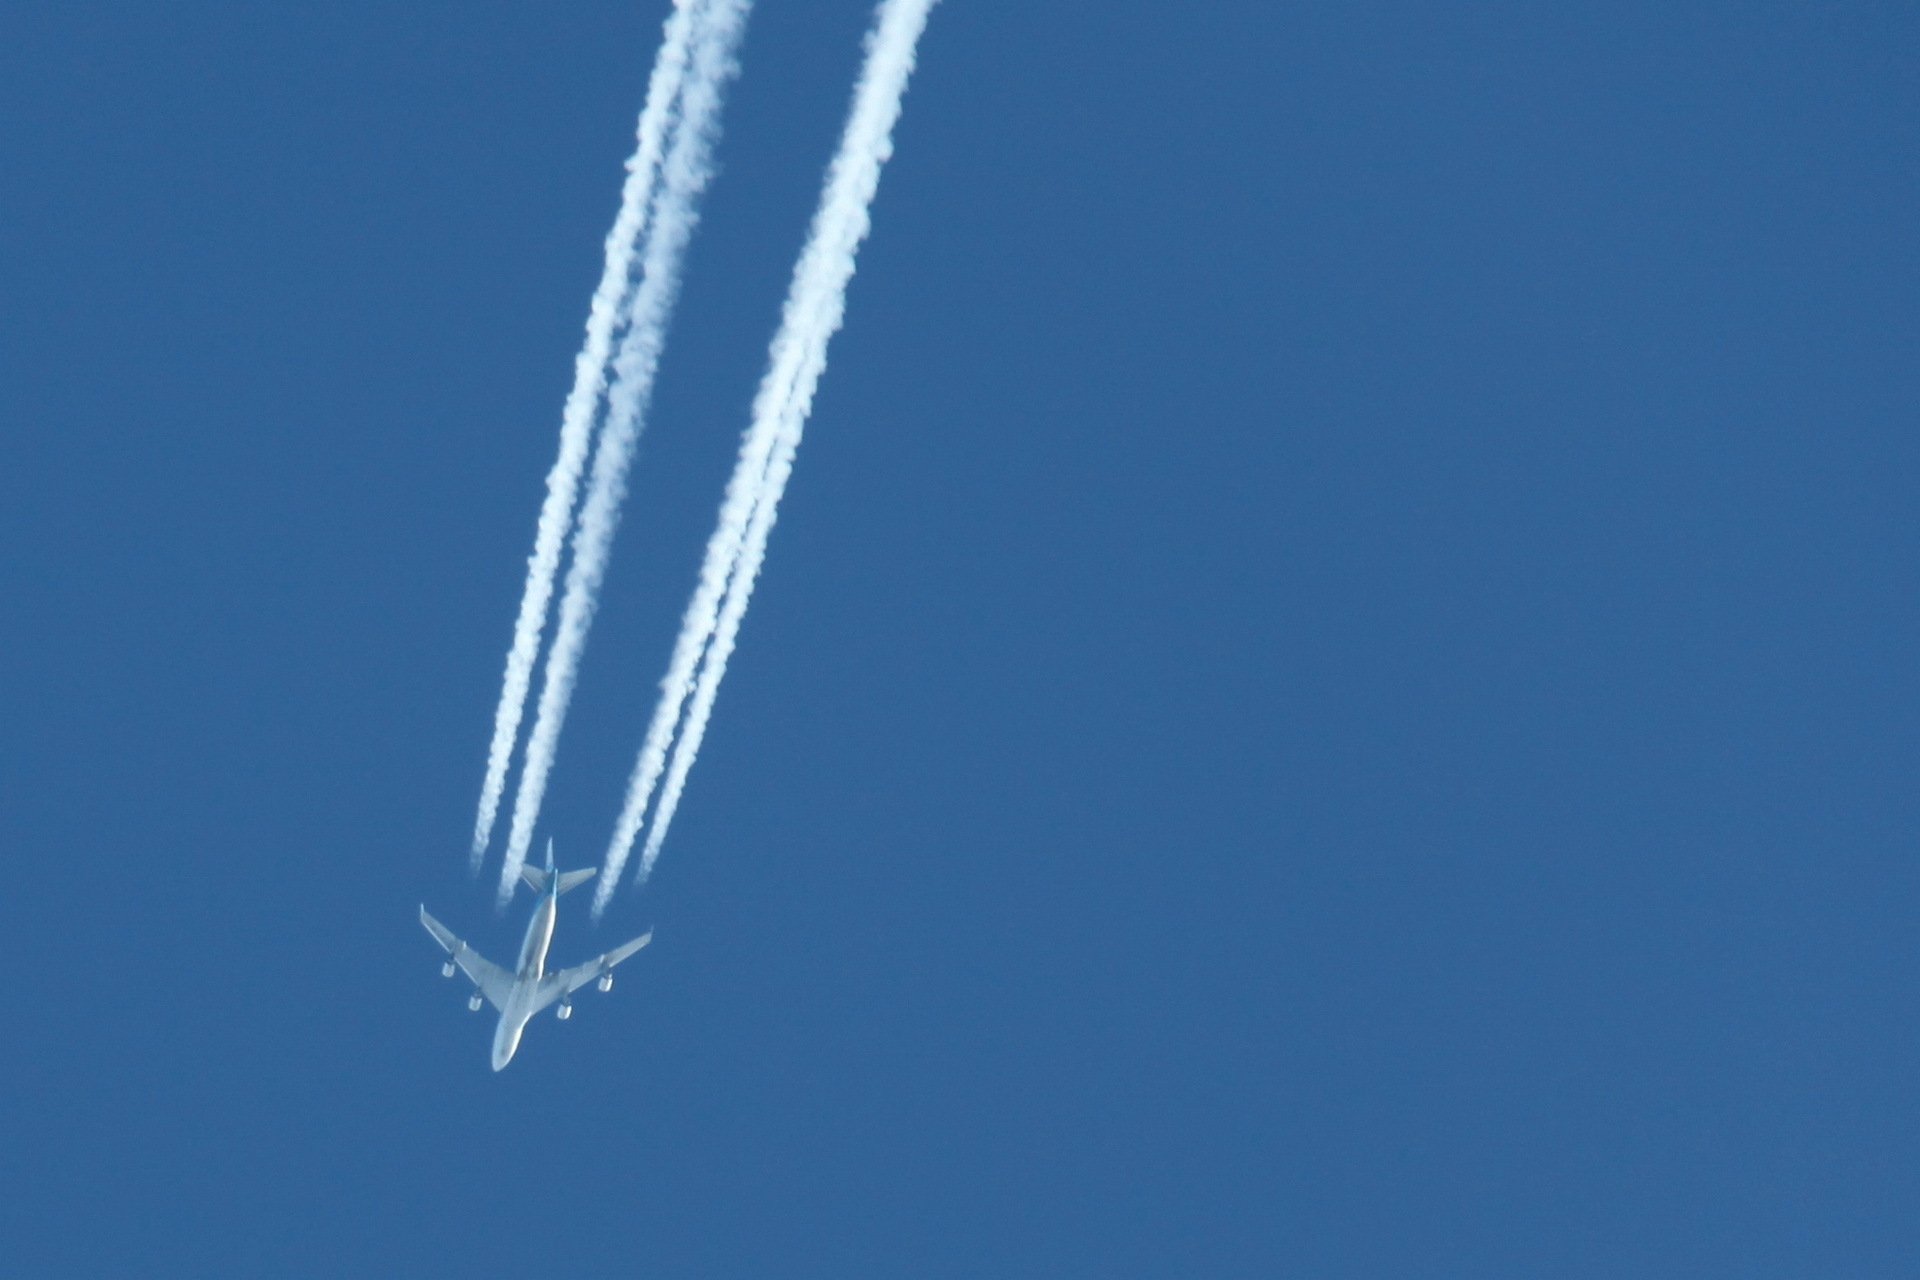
506, 1039
533, 950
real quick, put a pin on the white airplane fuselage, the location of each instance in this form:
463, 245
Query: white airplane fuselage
523, 1002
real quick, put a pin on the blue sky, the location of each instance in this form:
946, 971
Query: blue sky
1332, 695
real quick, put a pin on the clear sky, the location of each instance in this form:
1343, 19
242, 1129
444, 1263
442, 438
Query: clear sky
1333, 695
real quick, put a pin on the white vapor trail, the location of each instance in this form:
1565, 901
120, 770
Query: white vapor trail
815, 307
576, 421
684, 173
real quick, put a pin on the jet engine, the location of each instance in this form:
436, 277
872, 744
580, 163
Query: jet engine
474, 1002
566, 1011
446, 970
606, 981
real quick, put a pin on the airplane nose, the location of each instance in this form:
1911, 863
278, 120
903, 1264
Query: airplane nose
504, 1048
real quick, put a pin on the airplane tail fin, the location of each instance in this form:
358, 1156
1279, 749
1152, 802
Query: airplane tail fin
537, 877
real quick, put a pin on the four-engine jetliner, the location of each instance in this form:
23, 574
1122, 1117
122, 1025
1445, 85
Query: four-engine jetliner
529, 988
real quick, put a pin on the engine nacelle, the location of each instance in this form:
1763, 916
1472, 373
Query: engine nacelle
566, 1011
446, 970
474, 1002
606, 982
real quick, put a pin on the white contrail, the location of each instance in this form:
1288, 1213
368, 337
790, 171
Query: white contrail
685, 172
816, 304
576, 421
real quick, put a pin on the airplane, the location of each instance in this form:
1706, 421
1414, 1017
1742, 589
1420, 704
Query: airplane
530, 988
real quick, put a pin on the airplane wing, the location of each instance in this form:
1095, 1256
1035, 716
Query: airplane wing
565, 982
493, 981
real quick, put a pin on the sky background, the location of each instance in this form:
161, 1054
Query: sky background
1333, 694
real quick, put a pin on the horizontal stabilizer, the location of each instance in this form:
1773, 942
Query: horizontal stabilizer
537, 877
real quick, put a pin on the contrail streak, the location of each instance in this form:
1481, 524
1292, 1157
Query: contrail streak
576, 420
685, 172
815, 307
